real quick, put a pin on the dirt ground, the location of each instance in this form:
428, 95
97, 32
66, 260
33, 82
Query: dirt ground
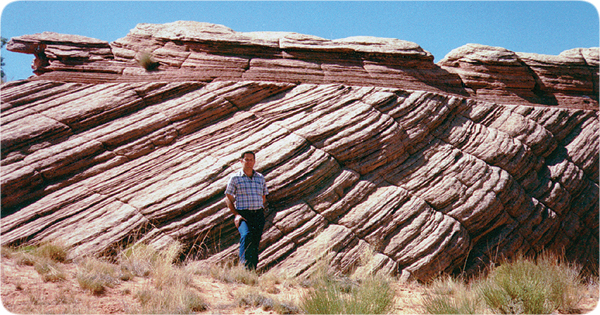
24, 291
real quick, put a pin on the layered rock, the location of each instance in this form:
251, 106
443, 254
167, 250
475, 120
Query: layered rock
366, 145
494, 72
192, 51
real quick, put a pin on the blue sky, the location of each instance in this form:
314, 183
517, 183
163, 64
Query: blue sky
545, 27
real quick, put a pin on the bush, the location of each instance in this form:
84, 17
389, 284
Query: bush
44, 258
451, 296
340, 295
253, 298
374, 295
53, 251
49, 270
171, 292
532, 287
147, 62
523, 286
28, 255
24, 258
95, 275
138, 259
230, 273
173, 300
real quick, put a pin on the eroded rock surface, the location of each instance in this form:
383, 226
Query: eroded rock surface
366, 144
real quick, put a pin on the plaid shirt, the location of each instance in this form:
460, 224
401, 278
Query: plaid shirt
248, 191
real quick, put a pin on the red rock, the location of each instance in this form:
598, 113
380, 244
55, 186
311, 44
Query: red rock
368, 147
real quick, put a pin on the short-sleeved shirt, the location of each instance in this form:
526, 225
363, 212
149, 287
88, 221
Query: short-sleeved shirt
248, 191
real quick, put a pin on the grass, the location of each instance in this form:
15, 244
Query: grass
254, 297
522, 286
373, 295
27, 255
170, 291
49, 270
165, 285
176, 299
96, 275
333, 294
533, 287
147, 61
230, 273
137, 260
45, 259
449, 295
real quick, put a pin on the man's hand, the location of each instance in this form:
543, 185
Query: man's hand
237, 220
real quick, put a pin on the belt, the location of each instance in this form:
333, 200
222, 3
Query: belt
253, 210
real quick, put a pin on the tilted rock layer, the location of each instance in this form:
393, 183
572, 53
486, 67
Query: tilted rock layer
368, 147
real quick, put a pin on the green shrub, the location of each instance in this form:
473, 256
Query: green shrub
532, 287
340, 295
323, 300
374, 295
523, 286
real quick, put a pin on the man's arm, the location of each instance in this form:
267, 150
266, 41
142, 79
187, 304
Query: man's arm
230, 200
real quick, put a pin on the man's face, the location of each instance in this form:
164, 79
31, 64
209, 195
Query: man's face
248, 161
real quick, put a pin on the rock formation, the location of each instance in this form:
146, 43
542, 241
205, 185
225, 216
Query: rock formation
366, 144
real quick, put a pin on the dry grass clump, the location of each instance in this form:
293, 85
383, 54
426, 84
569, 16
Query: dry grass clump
96, 275
254, 297
526, 286
169, 290
137, 259
333, 294
522, 286
27, 255
448, 295
258, 290
229, 272
45, 258
49, 270
166, 285
175, 299
146, 61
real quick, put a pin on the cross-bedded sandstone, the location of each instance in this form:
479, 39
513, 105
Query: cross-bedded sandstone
366, 145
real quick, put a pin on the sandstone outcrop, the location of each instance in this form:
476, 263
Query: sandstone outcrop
366, 145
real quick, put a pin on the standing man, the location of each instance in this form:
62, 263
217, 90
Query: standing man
246, 198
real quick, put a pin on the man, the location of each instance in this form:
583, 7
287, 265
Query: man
246, 198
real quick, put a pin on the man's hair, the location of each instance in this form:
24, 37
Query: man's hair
247, 152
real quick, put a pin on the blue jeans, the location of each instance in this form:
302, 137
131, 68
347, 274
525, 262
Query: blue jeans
251, 229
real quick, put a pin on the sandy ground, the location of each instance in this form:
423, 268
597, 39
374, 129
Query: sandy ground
24, 291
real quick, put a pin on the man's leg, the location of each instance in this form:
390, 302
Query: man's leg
244, 241
256, 229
